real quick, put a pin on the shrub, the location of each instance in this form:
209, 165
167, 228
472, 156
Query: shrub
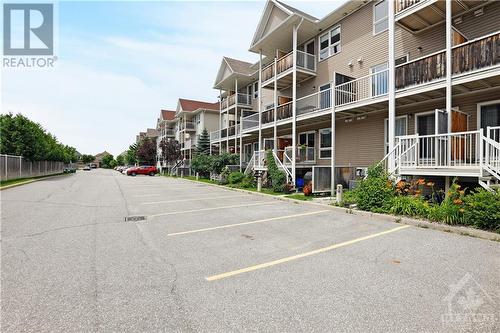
224, 175
482, 209
219, 162
278, 177
248, 182
409, 205
235, 177
376, 192
201, 164
348, 198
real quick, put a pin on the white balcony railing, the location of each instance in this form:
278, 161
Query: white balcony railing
306, 61
363, 88
188, 125
250, 121
215, 135
302, 155
318, 101
448, 150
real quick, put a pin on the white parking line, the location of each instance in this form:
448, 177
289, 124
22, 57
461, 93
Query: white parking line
213, 208
194, 199
246, 223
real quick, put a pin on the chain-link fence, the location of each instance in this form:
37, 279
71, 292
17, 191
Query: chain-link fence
13, 167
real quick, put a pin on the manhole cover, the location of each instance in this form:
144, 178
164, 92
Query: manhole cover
135, 218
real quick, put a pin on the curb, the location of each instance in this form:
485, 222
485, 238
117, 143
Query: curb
459, 230
30, 181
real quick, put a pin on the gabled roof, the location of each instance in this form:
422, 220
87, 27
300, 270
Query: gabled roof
167, 115
231, 68
297, 11
192, 105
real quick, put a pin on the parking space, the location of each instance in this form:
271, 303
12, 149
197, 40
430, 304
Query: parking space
208, 258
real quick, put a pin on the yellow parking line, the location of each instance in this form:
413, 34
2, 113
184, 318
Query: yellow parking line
302, 255
213, 208
246, 223
194, 199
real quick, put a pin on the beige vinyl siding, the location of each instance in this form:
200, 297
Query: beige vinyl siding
474, 27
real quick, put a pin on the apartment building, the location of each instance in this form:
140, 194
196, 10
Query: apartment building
166, 128
369, 83
150, 133
192, 118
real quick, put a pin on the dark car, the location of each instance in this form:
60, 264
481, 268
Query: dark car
142, 170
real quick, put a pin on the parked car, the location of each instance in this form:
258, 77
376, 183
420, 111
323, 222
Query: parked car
142, 170
69, 170
86, 168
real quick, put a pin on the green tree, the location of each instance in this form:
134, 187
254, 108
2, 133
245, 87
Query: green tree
203, 146
120, 160
108, 161
86, 159
131, 156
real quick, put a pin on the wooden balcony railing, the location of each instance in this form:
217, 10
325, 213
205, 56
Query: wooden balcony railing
476, 54
283, 111
304, 61
404, 4
422, 70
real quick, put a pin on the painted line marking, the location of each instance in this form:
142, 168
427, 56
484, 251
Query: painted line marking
212, 208
302, 255
246, 223
194, 199
147, 195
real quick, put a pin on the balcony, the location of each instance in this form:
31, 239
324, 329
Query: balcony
364, 88
243, 100
215, 136
251, 121
303, 155
467, 58
189, 143
306, 68
187, 126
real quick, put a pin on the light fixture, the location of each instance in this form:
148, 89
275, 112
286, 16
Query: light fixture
419, 49
360, 117
350, 63
360, 60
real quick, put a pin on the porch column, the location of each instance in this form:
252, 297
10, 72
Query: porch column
236, 115
259, 100
391, 81
275, 99
227, 127
294, 101
449, 91
220, 120
241, 142
332, 158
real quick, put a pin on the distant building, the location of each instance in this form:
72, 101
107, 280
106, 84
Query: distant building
98, 158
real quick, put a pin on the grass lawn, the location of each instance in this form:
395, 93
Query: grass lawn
5, 183
300, 196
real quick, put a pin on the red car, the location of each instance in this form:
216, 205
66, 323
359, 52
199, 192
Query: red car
142, 170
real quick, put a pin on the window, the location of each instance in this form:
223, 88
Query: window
268, 144
256, 90
255, 146
380, 14
307, 139
325, 96
490, 116
400, 130
249, 90
329, 43
325, 143
379, 80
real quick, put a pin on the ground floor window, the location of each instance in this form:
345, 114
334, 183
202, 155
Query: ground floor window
325, 143
490, 116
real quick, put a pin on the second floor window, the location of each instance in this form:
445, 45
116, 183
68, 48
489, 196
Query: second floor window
380, 13
256, 90
329, 43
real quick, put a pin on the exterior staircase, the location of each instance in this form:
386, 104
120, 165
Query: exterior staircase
462, 154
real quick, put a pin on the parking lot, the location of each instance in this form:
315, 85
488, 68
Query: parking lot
195, 257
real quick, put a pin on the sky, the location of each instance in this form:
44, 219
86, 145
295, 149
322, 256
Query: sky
120, 62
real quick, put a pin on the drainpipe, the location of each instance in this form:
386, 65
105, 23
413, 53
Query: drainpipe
236, 115
333, 132
391, 83
220, 120
448, 76
259, 100
294, 99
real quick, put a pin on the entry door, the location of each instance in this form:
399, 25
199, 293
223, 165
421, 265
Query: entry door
458, 144
490, 116
426, 125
